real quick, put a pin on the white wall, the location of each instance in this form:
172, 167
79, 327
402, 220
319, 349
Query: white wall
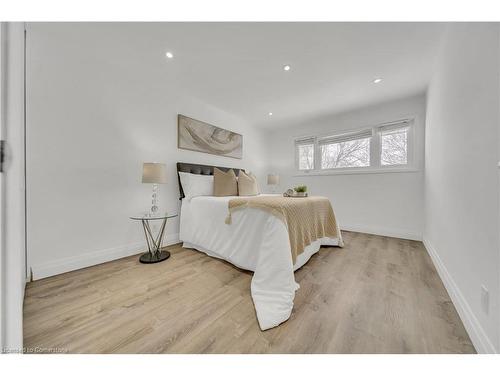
461, 181
13, 244
95, 113
381, 203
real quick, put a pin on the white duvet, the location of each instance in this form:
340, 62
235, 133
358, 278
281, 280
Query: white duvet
255, 241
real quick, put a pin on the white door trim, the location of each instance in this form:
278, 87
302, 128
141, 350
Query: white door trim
13, 253
2, 189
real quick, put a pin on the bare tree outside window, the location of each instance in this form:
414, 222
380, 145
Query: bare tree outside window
349, 154
394, 147
306, 156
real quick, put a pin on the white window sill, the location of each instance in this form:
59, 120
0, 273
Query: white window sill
356, 171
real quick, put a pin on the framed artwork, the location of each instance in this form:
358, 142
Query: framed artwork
199, 136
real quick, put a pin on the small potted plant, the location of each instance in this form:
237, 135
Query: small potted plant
301, 190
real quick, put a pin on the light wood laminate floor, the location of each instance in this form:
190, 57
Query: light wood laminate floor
376, 295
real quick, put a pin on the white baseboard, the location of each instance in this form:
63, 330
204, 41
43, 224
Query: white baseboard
88, 259
476, 332
382, 232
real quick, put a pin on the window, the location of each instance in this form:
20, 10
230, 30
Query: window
384, 146
394, 145
304, 149
346, 151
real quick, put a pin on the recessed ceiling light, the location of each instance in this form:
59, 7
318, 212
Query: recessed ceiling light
287, 67
377, 80
169, 55
270, 113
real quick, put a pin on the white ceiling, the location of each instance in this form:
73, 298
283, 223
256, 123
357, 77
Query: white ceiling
238, 67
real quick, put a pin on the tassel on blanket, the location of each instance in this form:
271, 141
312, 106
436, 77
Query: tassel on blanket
229, 218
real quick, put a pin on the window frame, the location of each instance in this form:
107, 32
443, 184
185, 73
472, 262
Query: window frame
353, 135
302, 141
409, 147
375, 151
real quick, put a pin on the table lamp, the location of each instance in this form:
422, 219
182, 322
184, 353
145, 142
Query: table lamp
154, 173
273, 180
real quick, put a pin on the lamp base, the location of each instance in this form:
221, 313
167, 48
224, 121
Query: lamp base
154, 200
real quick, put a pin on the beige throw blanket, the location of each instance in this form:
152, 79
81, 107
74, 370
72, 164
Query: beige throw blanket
306, 219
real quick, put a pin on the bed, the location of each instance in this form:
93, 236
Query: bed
255, 240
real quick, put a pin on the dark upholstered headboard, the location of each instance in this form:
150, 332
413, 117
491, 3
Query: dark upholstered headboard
199, 169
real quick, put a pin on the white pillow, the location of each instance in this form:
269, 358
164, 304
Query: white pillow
195, 185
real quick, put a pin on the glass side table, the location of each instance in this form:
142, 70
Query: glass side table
155, 254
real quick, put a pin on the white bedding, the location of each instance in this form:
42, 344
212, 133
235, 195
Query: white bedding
255, 241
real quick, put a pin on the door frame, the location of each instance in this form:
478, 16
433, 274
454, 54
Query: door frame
2, 188
13, 185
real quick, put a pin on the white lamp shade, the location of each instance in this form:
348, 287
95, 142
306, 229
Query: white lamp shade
273, 179
154, 173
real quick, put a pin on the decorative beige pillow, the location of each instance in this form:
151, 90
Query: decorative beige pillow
247, 184
225, 183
